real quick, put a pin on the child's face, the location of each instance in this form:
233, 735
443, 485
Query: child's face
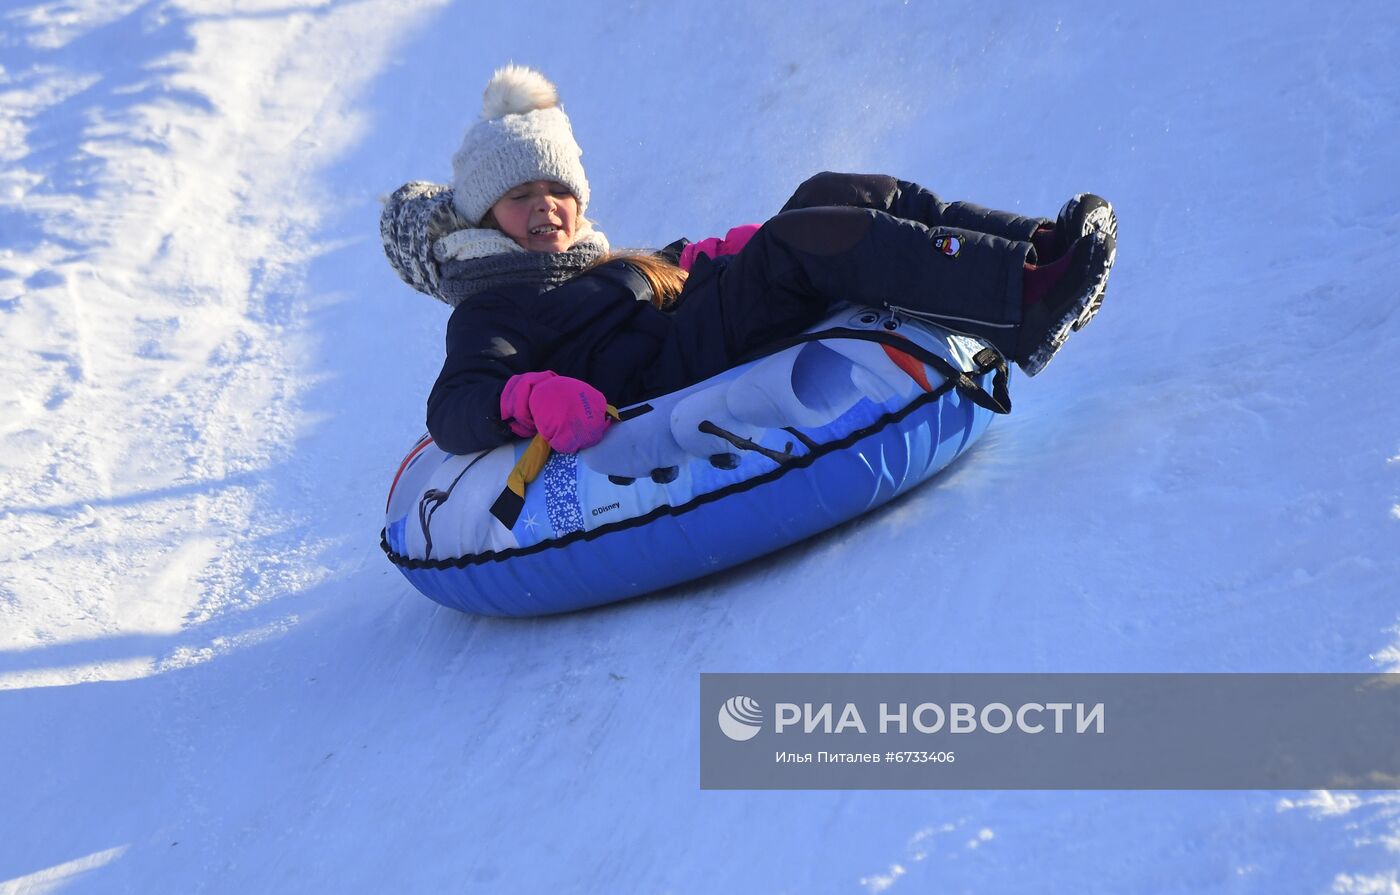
540, 215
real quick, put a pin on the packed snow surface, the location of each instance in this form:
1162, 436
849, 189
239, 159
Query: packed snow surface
212, 680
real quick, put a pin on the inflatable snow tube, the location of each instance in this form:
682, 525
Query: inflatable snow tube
824, 427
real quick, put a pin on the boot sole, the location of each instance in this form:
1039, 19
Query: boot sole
1075, 316
1104, 220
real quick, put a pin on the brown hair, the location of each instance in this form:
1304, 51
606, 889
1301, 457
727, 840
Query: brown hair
665, 279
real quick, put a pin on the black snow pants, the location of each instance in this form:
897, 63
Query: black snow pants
872, 240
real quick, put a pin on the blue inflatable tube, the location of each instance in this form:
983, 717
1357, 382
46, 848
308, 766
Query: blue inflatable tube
829, 426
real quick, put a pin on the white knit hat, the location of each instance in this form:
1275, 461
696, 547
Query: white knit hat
523, 135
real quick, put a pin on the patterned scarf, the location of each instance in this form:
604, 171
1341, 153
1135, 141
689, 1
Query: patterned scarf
475, 260
434, 250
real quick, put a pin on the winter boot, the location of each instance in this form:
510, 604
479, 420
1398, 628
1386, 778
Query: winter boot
1060, 298
1081, 215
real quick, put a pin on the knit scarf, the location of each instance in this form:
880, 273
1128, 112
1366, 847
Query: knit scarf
476, 260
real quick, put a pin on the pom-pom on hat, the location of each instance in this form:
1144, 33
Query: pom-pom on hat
523, 135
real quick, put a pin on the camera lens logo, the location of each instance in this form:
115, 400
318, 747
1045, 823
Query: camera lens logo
741, 718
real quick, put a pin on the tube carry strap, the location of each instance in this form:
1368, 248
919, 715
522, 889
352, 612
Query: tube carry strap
508, 506
511, 503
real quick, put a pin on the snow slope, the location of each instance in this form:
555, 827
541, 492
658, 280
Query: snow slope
211, 680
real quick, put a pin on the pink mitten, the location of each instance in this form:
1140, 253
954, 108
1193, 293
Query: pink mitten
733, 241
515, 401
569, 413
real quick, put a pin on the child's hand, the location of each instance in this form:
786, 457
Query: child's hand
569, 413
733, 241
515, 402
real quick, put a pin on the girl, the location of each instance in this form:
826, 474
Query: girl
550, 326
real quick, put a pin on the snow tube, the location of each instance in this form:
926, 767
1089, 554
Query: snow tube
824, 427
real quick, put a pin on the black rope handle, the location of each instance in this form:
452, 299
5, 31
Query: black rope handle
987, 361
